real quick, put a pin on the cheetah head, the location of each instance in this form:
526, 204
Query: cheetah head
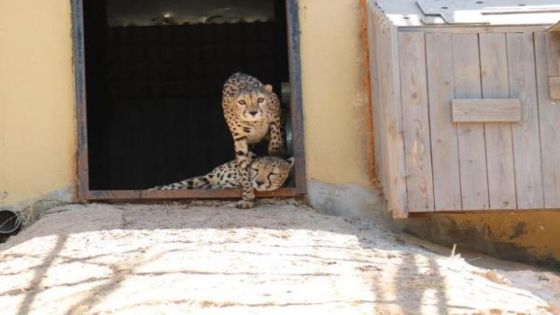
269, 172
252, 105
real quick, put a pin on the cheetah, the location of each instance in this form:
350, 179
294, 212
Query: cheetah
252, 112
266, 173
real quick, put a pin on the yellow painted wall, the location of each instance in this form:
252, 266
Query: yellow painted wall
37, 125
37, 117
334, 97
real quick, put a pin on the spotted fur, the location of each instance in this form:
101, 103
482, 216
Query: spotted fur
252, 112
266, 173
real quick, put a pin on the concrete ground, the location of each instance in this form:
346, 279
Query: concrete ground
274, 259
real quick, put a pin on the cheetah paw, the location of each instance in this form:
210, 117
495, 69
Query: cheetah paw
244, 204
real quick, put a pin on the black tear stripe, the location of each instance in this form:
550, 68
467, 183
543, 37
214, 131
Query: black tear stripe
240, 138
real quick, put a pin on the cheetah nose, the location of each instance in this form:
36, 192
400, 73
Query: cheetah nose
253, 112
259, 182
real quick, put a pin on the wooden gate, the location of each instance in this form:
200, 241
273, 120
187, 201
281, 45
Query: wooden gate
464, 118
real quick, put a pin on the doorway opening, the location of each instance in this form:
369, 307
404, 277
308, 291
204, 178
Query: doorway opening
149, 78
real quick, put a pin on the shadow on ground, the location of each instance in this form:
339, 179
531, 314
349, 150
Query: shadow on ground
278, 258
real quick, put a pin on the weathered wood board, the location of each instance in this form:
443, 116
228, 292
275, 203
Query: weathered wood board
387, 114
526, 139
549, 118
554, 86
414, 99
472, 145
486, 110
499, 139
445, 151
553, 63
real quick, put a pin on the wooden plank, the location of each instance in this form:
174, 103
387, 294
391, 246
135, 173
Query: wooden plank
395, 130
79, 65
553, 53
472, 29
380, 134
445, 151
553, 63
526, 141
415, 118
296, 94
499, 142
389, 116
366, 45
549, 116
184, 194
472, 151
554, 28
486, 110
554, 87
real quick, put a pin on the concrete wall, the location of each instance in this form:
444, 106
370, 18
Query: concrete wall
37, 125
38, 133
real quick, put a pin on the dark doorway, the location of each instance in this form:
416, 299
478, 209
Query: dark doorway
154, 71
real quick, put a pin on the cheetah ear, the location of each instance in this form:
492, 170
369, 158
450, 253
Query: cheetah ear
291, 160
267, 88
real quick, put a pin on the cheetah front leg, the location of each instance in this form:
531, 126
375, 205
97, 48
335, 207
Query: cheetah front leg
276, 144
243, 160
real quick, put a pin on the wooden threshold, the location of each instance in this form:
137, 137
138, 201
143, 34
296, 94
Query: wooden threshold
108, 195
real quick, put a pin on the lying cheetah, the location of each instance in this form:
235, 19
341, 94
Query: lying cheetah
252, 112
267, 173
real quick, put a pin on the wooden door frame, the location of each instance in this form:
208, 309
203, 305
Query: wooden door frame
84, 191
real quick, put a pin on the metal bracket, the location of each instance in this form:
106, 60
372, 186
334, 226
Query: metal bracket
475, 12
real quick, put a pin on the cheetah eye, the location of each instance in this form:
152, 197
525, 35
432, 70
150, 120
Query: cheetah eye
242, 102
260, 100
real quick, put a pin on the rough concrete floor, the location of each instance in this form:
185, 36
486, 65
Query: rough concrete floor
275, 259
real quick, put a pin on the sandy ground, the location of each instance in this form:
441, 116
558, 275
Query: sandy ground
275, 259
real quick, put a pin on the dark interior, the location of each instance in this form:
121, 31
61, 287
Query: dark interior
154, 85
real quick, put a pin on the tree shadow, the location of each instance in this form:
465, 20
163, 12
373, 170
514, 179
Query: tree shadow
406, 285
119, 273
414, 287
399, 282
39, 274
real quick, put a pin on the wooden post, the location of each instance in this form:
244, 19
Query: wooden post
553, 55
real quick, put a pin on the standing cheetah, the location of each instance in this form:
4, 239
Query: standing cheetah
252, 111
